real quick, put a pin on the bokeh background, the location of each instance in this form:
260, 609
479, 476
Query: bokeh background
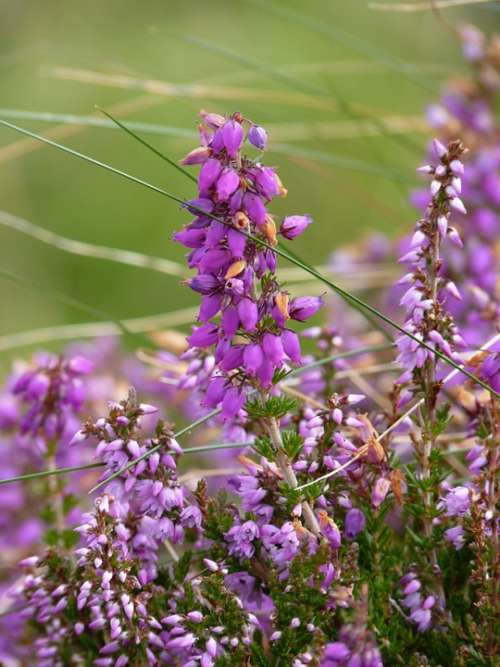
341, 87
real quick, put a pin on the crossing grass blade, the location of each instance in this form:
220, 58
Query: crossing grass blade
373, 322
154, 449
278, 251
315, 155
94, 121
123, 127
93, 466
341, 161
307, 87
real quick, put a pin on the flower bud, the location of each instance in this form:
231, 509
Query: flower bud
294, 225
257, 136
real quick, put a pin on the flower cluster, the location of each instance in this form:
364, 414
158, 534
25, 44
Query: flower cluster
419, 607
115, 589
51, 395
148, 501
232, 239
426, 318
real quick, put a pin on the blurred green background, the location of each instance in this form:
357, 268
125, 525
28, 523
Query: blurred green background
328, 79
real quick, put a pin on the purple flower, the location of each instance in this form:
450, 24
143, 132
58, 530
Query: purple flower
457, 501
304, 307
257, 136
230, 268
380, 491
227, 183
294, 225
354, 523
232, 136
337, 651
282, 543
456, 536
240, 539
253, 357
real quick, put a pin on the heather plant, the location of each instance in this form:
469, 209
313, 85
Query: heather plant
357, 526
467, 109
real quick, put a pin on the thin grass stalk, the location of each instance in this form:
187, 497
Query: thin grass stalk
84, 249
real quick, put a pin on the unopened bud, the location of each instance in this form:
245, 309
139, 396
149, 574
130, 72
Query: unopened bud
269, 230
282, 190
282, 300
235, 269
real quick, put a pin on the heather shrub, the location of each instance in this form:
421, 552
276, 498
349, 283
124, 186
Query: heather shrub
347, 516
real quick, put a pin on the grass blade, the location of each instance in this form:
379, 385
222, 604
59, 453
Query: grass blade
183, 431
92, 466
70, 301
133, 127
123, 127
206, 448
339, 161
202, 448
128, 257
48, 473
278, 251
97, 329
94, 121
280, 244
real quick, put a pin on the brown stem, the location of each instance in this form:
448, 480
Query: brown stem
429, 387
289, 474
492, 505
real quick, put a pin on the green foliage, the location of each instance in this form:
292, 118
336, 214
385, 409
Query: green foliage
292, 444
442, 420
264, 446
182, 566
272, 407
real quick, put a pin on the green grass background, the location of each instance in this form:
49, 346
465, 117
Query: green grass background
291, 61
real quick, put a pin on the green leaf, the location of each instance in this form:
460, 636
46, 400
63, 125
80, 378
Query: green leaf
51, 537
292, 444
442, 420
182, 566
272, 407
264, 447
279, 375
70, 501
69, 538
